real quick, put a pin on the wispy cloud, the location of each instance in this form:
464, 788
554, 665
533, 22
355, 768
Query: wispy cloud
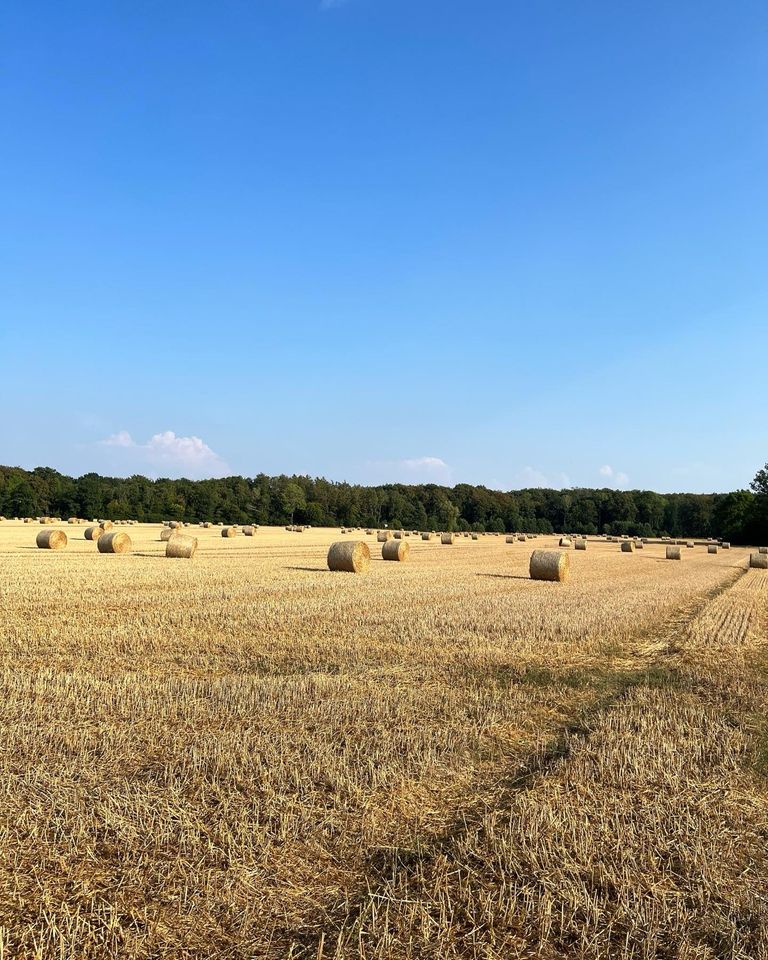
616, 477
409, 470
531, 477
189, 456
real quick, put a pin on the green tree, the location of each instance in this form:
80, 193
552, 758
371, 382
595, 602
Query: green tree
292, 498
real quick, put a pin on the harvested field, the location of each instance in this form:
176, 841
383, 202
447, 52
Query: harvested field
248, 755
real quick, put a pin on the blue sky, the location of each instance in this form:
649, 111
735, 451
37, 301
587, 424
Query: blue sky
485, 241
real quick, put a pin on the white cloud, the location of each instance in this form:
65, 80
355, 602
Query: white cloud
408, 470
121, 439
531, 477
619, 478
425, 463
188, 456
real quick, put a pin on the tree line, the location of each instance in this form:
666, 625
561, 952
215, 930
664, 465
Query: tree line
741, 517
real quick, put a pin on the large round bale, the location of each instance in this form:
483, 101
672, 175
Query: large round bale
565, 542
249, 531
395, 550
762, 550
446, 538
51, 540
474, 536
426, 536
228, 532
93, 533
521, 537
369, 533
181, 545
674, 553
175, 524
758, 561
627, 546
113, 542
712, 548
725, 545
106, 525
639, 545
383, 535
399, 534
207, 525
581, 544
509, 540
167, 534
550, 565
349, 556
690, 545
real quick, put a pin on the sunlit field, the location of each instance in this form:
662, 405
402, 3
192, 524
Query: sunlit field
248, 755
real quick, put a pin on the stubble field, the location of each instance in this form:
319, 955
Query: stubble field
246, 755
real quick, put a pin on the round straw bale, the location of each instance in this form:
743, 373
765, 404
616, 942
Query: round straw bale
690, 545
93, 533
228, 532
509, 540
521, 537
639, 545
249, 531
446, 538
762, 549
398, 534
712, 548
673, 553
549, 565
758, 561
351, 556
51, 540
627, 546
166, 533
114, 543
581, 544
207, 524
474, 536
106, 524
383, 535
71, 520
181, 545
725, 545
395, 550
564, 542
426, 536
369, 533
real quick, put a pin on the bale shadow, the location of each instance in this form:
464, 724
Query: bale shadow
503, 576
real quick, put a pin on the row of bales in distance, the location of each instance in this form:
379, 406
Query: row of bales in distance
350, 556
551, 565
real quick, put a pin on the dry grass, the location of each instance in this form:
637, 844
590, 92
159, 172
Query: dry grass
246, 755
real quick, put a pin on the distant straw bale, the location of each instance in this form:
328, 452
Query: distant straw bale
552, 565
349, 556
51, 540
181, 546
395, 550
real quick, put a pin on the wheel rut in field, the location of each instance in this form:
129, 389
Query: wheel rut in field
500, 877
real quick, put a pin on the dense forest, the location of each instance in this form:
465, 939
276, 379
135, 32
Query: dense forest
741, 516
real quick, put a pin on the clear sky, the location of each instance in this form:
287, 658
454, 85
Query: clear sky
510, 242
